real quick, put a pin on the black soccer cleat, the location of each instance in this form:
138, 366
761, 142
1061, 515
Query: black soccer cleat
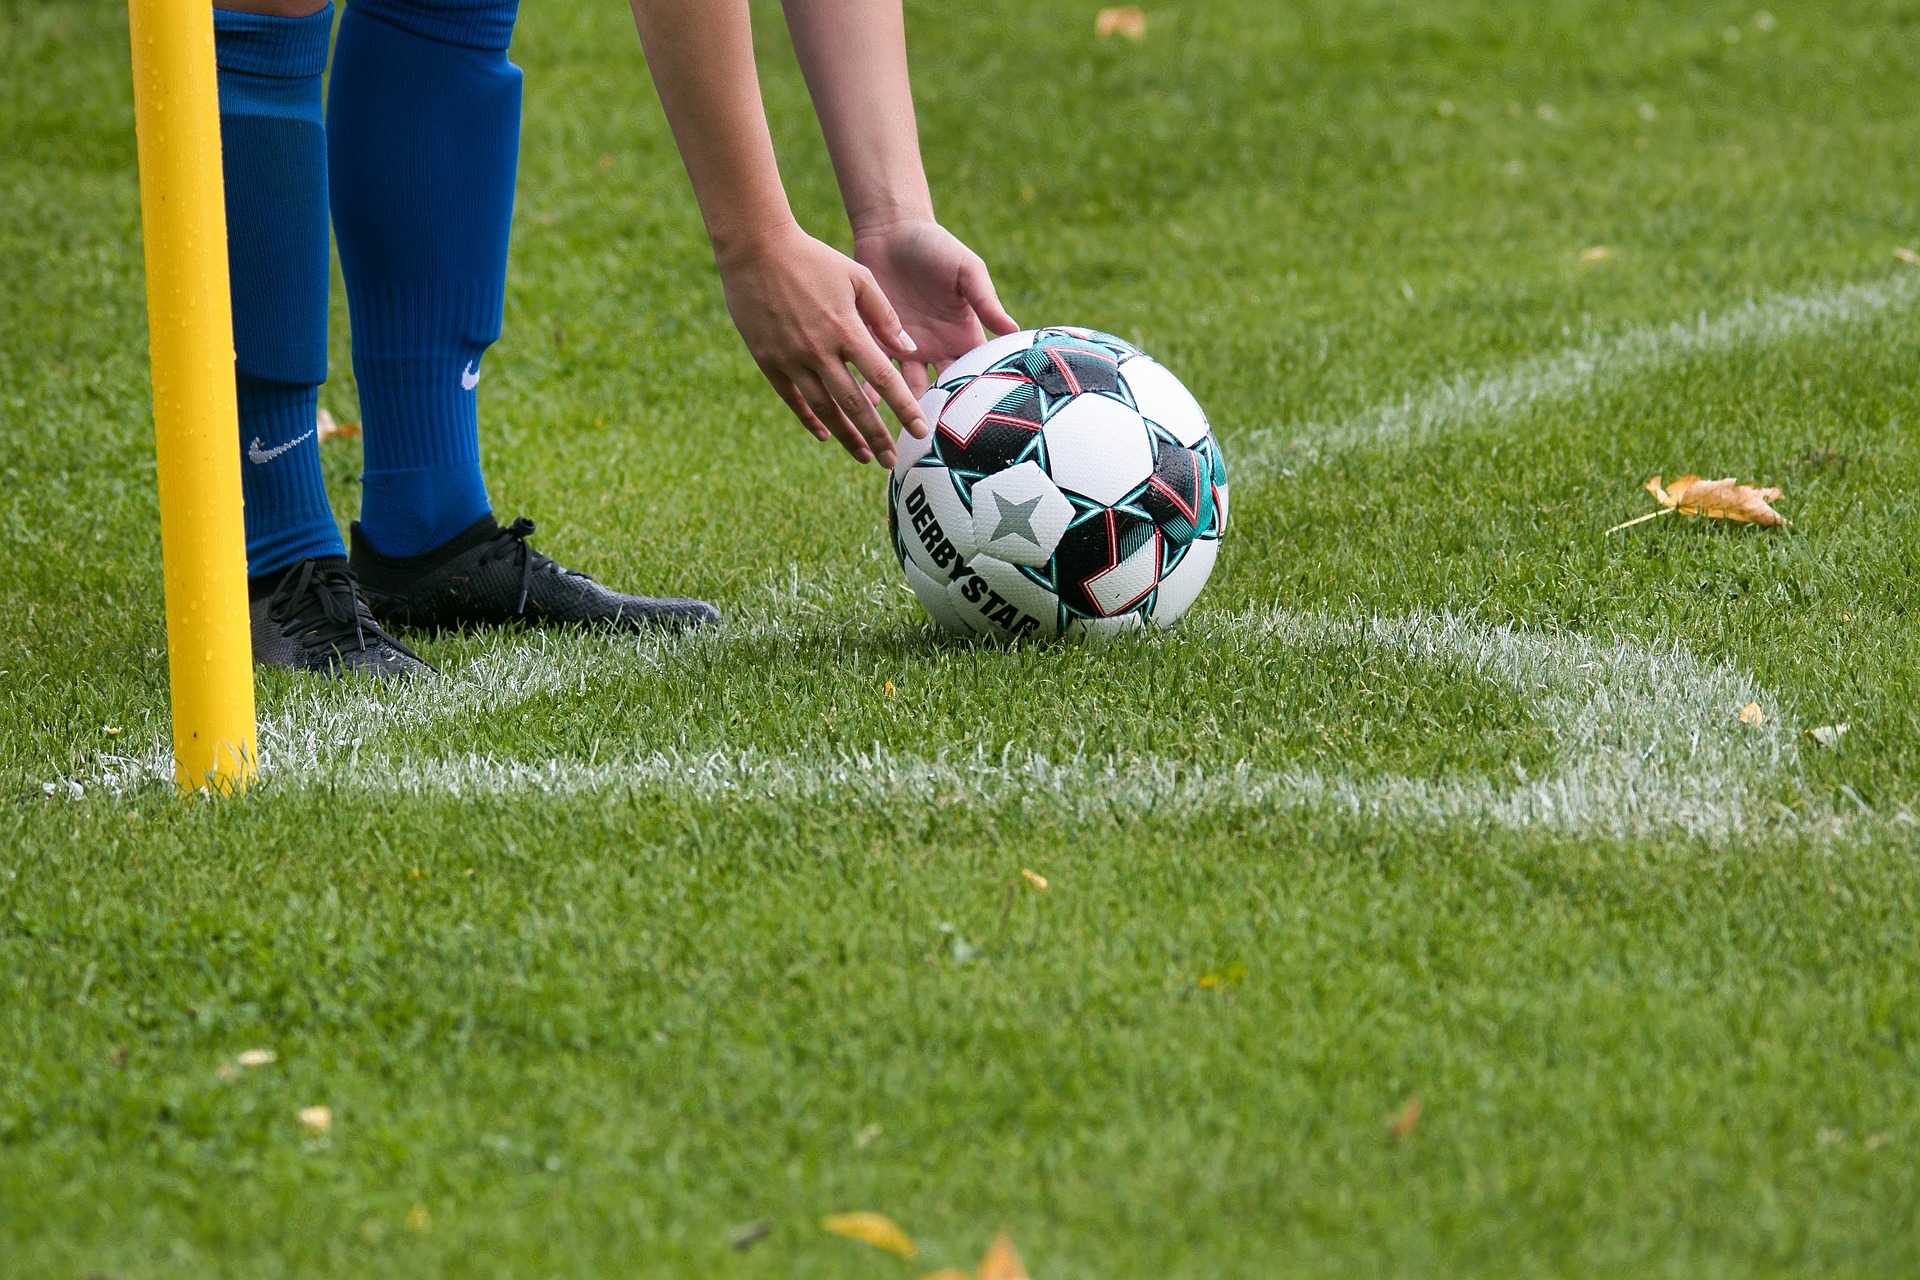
486, 576
313, 619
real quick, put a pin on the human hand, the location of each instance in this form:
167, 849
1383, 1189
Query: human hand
806, 312
938, 287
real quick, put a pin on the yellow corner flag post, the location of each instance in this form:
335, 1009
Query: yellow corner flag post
195, 421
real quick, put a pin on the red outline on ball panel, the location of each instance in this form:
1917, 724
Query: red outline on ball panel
1114, 561
1190, 510
966, 440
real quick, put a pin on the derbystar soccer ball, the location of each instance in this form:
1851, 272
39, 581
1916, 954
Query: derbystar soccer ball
1070, 486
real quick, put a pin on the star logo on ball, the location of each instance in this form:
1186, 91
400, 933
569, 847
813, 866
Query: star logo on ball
1013, 517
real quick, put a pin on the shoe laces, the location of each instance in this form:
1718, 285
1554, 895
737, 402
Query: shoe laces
512, 543
322, 604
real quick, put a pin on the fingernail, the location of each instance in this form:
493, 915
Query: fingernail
907, 341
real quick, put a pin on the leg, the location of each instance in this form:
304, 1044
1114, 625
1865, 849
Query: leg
274, 150
424, 135
424, 129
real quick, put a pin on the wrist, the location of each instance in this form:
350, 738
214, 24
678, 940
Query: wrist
734, 243
885, 220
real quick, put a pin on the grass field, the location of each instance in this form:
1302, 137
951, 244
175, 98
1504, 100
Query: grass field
601, 949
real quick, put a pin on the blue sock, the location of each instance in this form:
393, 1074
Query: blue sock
274, 148
423, 125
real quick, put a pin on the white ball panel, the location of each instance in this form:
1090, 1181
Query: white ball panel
1121, 587
1220, 500
985, 356
1098, 629
998, 600
935, 524
1181, 587
1163, 399
908, 450
1013, 504
1098, 448
933, 595
962, 415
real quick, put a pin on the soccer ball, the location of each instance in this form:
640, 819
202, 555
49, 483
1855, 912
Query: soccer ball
1070, 486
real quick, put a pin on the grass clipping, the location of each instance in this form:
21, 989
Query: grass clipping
1714, 499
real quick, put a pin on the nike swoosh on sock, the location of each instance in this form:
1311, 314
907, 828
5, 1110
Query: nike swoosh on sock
260, 457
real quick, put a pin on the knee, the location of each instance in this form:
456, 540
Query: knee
274, 8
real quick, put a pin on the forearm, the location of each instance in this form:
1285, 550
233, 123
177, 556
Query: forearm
854, 56
701, 55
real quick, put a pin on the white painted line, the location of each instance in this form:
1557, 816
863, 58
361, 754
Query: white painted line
1481, 400
1645, 735
1646, 740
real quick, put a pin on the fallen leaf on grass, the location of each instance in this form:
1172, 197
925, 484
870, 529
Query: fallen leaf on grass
317, 1121
1596, 253
325, 428
1907, 256
744, 1238
1230, 976
1125, 20
1714, 499
1751, 714
876, 1229
1034, 878
256, 1057
1827, 735
1002, 1261
1406, 1119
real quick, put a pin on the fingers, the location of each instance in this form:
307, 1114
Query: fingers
916, 375
852, 400
825, 407
893, 388
977, 287
880, 316
801, 409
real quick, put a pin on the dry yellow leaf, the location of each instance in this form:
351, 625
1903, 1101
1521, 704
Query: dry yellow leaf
1596, 253
1406, 1119
325, 428
1125, 20
1907, 256
1220, 980
317, 1121
1034, 878
876, 1229
256, 1057
1715, 499
1002, 1261
1751, 714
